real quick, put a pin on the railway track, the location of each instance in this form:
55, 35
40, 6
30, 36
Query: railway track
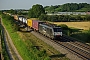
75, 47
79, 44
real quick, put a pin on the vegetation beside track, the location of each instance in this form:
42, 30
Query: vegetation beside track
83, 36
41, 46
80, 34
4, 51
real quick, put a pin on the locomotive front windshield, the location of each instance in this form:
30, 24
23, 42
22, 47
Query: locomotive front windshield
57, 29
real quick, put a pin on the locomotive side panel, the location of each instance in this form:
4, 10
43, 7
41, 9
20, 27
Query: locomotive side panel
49, 31
46, 30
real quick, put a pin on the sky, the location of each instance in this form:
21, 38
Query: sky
27, 4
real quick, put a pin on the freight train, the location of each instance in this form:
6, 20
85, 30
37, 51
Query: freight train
50, 30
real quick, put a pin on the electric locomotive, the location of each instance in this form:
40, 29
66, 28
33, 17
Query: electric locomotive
50, 30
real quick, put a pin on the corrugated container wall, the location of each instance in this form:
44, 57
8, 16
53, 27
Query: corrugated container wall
20, 19
15, 17
29, 22
24, 20
35, 24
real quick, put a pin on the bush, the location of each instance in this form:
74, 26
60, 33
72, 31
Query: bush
42, 53
43, 17
64, 27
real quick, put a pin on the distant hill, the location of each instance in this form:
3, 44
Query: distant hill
68, 7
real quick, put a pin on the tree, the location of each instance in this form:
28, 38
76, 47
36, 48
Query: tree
87, 17
54, 18
36, 11
11, 11
43, 17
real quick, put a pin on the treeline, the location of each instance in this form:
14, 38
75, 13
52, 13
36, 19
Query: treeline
69, 7
38, 11
64, 18
15, 12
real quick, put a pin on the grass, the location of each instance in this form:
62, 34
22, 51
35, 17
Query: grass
84, 36
40, 45
30, 44
79, 34
28, 37
4, 51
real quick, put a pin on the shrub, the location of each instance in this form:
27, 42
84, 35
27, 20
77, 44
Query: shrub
63, 26
42, 53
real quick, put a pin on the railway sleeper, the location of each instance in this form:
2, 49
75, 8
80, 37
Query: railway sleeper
87, 46
81, 46
74, 52
84, 47
80, 51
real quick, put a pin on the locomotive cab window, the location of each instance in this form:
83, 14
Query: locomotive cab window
57, 29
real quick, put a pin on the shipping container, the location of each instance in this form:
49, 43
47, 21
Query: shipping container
35, 24
24, 20
20, 18
15, 17
29, 22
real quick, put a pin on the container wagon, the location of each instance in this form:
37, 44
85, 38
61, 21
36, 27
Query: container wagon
29, 23
50, 31
15, 17
35, 24
22, 19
